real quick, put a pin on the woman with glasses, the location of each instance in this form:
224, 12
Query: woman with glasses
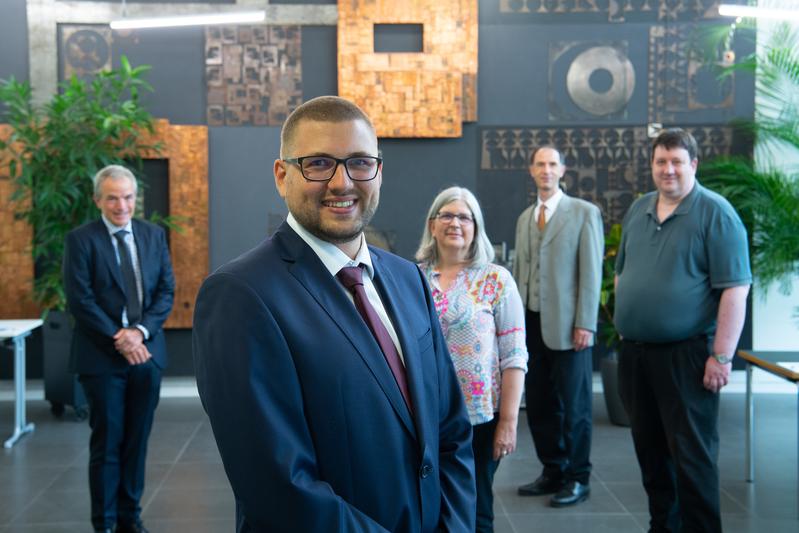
482, 319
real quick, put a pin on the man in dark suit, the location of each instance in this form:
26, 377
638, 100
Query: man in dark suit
558, 267
320, 360
120, 288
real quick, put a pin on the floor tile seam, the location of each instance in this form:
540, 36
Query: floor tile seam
504, 512
171, 467
612, 494
30, 502
644, 527
740, 504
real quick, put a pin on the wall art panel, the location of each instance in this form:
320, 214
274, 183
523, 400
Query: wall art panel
85, 50
426, 94
612, 10
680, 87
253, 74
608, 166
589, 80
186, 149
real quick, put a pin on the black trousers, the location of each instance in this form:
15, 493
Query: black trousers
558, 397
484, 469
674, 423
121, 410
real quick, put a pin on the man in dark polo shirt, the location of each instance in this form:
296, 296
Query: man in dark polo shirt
682, 278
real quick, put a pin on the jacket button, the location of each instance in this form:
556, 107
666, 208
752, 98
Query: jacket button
425, 471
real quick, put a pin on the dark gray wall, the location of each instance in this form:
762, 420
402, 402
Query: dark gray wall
516, 89
177, 58
13, 41
241, 189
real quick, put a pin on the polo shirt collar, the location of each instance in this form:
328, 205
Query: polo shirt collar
683, 207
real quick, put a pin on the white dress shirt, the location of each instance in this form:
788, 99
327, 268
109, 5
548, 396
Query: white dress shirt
334, 260
134, 257
551, 204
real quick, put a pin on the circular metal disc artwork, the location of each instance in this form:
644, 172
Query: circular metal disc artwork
601, 58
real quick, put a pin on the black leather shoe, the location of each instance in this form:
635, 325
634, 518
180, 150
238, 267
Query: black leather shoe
542, 485
572, 493
138, 527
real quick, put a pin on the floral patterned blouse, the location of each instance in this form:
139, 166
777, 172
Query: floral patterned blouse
482, 318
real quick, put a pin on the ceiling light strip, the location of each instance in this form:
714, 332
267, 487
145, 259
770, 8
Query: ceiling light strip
728, 10
190, 20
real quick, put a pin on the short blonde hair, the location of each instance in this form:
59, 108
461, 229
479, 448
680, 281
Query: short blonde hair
480, 252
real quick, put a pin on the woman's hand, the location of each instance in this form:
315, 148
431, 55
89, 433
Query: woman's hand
505, 437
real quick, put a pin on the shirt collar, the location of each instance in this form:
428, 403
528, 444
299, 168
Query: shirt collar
553, 201
114, 228
330, 255
683, 207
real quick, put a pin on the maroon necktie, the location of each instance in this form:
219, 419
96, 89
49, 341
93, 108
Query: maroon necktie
352, 278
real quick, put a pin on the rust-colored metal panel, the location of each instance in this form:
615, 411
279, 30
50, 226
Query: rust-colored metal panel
186, 149
426, 94
16, 259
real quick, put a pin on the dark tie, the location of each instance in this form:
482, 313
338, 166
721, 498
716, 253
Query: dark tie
352, 278
133, 305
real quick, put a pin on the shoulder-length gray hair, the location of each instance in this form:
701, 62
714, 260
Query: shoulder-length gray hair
480, 252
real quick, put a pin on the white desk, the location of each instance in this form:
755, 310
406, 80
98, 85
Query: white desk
17, 330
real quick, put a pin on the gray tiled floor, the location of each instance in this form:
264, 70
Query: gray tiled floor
43, 481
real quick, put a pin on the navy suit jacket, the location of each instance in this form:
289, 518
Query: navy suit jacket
311, 426
95, 294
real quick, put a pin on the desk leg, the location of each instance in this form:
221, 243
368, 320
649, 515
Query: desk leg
750, 421
21, 427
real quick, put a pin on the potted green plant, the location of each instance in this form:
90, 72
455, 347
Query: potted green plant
764, 190
607, 329
52, 153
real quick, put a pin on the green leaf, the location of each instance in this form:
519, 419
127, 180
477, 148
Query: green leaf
59, 146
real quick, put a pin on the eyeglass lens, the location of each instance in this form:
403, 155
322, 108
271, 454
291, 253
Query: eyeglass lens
322, 168
449, 217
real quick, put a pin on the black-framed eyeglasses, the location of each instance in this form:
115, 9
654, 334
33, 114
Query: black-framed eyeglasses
323, 167
447, 218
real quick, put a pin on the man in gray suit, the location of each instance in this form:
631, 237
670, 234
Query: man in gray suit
558, 267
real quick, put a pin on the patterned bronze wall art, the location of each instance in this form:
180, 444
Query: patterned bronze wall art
253, 74
16, 251
186, 149
85, 50
616, 10
680, 85
589, 80
425, 94
607, 166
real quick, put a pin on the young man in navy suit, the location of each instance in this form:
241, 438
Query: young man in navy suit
320, 361
120, 288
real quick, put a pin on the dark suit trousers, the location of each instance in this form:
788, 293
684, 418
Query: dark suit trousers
558, 399
121, 407
484, 469
674, 423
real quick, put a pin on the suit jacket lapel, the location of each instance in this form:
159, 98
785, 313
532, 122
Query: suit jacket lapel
558, 220
308, 270
141, 238
106, 249
396, 309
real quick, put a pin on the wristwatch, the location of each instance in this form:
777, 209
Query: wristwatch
722, 358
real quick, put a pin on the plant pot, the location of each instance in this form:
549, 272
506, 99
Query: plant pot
610, 385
